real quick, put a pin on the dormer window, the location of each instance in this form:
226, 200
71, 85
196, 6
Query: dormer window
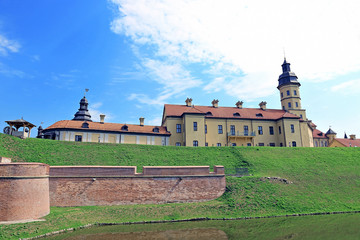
156, 129
125, 128
208, 114
259, 115
236, 114
85, 125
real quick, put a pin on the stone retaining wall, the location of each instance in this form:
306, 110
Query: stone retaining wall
97, 185
28, 189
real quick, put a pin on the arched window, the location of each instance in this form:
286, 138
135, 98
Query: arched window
208, 114
156, 129
125, 128
259, 115
85, 125
236, 114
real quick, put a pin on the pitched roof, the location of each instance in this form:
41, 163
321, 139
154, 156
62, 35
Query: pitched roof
318, 134
227, 112
111, 127
346, 142
330, 131
19, 123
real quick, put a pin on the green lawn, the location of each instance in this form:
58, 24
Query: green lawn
323, 180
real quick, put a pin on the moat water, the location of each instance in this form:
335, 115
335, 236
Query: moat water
338, 226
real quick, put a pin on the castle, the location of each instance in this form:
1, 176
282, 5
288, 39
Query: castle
193, 125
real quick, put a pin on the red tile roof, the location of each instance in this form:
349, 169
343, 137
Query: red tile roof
227, 112
318, 134
348, 142
112, 127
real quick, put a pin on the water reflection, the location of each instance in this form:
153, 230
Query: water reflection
339, 226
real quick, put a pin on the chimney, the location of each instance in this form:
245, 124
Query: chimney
215, 103
102, 118
263, 105
188, 102
239, 104
142, 121
352, 137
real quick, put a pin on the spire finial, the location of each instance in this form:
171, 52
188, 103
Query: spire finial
284, 54
86, 90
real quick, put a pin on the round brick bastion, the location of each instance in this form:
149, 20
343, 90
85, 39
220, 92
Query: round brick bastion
24, 191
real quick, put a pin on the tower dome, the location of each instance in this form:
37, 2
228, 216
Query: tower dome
83, 114
287, 77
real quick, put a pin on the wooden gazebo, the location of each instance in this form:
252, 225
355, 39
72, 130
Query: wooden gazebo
15, 125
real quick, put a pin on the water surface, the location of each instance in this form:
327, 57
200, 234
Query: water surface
338, 226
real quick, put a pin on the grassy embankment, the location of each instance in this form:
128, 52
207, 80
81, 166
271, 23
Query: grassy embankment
324, 180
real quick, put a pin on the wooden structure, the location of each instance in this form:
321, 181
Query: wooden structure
15, 125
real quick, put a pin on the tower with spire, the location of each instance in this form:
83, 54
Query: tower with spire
289, 88
83, 113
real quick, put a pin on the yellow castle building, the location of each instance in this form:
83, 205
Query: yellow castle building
192, 125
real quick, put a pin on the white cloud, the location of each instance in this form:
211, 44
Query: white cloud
348, 87
7, 45
9, 72
173, 78
94, 110
154, 122
321, 38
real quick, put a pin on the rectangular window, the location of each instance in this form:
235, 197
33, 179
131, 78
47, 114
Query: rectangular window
296, 104
301, 116
195, 143
292, 128
233, 144
177, 144
261, 144
232, 130
178, 128
282, 95
281, 144
78, 138
295, 93
294, 144
249, 144
271, 130
316, 144
272, 144
288, 93
289, 104
205, 129
218, 144
279, 130
206, 144
220, 130
246, 131
260, 130
195, 126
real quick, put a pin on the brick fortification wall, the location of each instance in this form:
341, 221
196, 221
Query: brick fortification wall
99, 185
24, 191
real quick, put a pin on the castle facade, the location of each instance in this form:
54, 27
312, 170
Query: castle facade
195, 125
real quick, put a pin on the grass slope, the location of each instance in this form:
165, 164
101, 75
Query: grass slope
324, 179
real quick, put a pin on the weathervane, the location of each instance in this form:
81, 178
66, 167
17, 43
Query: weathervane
86, 90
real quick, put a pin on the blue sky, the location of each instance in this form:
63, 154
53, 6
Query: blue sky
136, 55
